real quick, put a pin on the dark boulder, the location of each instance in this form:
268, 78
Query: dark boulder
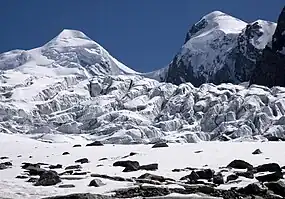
252, 189
80, 173
96, 183
22, 177
160, 145
271, 167
33, 180
275, 176
153, 177
82, 160
73, 167
149, 167
48, 178
142, 191
95, 143
66, 186
27, 164
68, 172
277, 187
205, 174
3, 158
257, 151
35, 170
218, 179
65, 153
3, 166
77, 145
115, 178
81, 196
232, 177
103, 159
128, 164
192, 177
240, 164
58, 166
246, 174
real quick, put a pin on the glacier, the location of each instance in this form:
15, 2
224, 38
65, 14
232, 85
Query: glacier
73, 86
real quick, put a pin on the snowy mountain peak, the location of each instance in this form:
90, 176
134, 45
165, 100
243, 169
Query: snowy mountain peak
69, 37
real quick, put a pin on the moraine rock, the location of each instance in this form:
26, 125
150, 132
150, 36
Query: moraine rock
79, 173
33, 180
257, 151
277, 187
95, 143
66, 186
275, 176
153, 177
247, 174
232, 177
218, 179
240, 164
115, 178
159, 145
149, 167
58, 166
81, 196
22, 177
96, 183
271, 167
32, 170
82, 160
48, 178
129, 165
73, 167
252, 189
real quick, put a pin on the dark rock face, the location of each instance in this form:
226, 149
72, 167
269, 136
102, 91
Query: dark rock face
96, 183
240, 164
115, 178
234, 65
270, 68
48, 178
159, 145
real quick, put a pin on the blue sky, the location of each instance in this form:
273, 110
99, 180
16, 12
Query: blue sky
143, 34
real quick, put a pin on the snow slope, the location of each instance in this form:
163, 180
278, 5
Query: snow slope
214, 154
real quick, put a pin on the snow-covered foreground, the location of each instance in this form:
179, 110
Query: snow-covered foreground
176, 156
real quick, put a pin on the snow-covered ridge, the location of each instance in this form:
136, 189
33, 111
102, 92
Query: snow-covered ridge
220, 48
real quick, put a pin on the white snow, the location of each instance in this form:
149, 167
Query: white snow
215, 154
